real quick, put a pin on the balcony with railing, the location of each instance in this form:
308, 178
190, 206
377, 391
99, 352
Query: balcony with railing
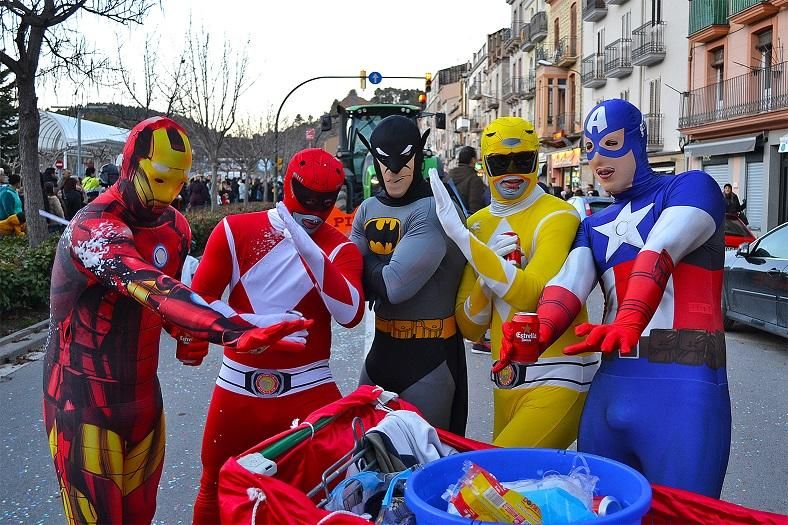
565, 51
476, 126
512, 90
491, 102
618, 58
528, 44
512, 43
594, 10
654, 138
592, 71
754, 93
529, 86
708, 20
615, 2
475, 90
538, 26
751, 11
648, 44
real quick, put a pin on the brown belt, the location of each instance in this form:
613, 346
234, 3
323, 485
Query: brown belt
419, 329
685, 347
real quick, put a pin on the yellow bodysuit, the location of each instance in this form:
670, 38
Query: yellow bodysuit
545, 410
541, 403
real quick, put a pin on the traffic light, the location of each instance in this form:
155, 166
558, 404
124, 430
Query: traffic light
363, 77
422, 99
279, 162
427, 82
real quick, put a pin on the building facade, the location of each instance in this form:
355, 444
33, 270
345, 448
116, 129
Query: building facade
446, 97
636, 51
734, 113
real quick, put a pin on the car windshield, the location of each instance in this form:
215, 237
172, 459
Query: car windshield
735, 227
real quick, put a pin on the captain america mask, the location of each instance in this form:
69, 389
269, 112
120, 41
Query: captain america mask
615, 144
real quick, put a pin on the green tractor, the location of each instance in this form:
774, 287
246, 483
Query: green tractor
360, 179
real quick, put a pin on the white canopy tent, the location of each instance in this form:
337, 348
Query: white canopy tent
58, 135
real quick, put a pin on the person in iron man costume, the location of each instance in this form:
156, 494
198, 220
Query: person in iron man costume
285, 259
114, 285
660, 400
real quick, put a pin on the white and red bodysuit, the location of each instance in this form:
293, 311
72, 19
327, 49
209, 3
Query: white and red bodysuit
272, 265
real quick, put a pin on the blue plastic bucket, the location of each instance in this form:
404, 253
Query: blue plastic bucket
425, 488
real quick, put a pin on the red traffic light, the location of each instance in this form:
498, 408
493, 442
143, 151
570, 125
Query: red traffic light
422, 99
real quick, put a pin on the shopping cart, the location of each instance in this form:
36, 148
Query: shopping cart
287, 478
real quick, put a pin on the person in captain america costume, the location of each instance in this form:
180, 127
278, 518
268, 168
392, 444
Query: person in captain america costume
659, 401
285, 259
114, 285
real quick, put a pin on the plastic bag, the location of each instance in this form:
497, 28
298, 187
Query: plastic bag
561, 498
479, 496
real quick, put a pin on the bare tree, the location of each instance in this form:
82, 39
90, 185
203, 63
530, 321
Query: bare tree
43, 30
159, 84
215, 81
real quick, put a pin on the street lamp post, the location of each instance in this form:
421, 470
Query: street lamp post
279, 111
80, 112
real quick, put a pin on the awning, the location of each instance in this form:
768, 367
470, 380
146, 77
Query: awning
709, 148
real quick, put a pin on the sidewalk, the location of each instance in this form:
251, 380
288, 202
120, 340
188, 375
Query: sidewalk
23, 341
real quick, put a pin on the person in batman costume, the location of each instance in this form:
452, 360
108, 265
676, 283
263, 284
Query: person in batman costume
411, 273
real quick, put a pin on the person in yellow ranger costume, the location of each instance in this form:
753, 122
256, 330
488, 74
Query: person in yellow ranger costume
537, 405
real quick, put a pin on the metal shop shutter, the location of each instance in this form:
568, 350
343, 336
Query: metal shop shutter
719, 172
756, 189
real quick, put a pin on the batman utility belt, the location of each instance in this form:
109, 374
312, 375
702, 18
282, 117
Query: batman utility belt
574, 373
266, 383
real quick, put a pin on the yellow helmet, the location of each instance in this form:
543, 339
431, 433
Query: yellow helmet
510, 151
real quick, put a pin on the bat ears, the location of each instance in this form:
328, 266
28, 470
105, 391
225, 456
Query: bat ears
366, 143
424, 137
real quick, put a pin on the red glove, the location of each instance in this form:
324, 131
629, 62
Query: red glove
256, 340
604, 338
508, 330
648, 278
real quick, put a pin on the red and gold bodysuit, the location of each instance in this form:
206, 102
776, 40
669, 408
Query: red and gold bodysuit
114, 285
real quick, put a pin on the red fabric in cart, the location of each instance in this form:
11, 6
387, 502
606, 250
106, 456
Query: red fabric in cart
285, 500
671, 506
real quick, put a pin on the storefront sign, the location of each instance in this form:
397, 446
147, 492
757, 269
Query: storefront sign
564, 159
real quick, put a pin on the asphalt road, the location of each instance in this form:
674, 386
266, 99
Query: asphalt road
757, 473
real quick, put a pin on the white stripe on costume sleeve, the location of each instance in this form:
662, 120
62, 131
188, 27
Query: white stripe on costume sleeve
578, 274
680, 230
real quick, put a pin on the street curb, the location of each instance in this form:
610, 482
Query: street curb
21, 342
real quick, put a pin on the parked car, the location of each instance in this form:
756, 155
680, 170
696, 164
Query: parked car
736, 232
755, 284
586, 206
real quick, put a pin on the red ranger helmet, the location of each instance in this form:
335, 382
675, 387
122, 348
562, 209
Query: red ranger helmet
312, 182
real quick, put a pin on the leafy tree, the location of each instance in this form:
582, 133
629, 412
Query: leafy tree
390, 95
9, 119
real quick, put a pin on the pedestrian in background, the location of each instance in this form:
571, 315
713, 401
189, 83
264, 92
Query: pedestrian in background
10, 202
732, 204
72, 197
469, 185
91, 184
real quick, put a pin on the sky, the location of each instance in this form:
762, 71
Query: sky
294, 40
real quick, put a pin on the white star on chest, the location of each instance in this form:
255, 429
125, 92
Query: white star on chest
623, 229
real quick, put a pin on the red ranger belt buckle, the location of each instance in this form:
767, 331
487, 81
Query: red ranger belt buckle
267, 383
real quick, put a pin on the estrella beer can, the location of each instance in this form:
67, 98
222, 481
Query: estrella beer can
516, 257
525, 346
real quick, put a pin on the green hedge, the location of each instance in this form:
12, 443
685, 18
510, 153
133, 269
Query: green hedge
25, 272
203, 222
